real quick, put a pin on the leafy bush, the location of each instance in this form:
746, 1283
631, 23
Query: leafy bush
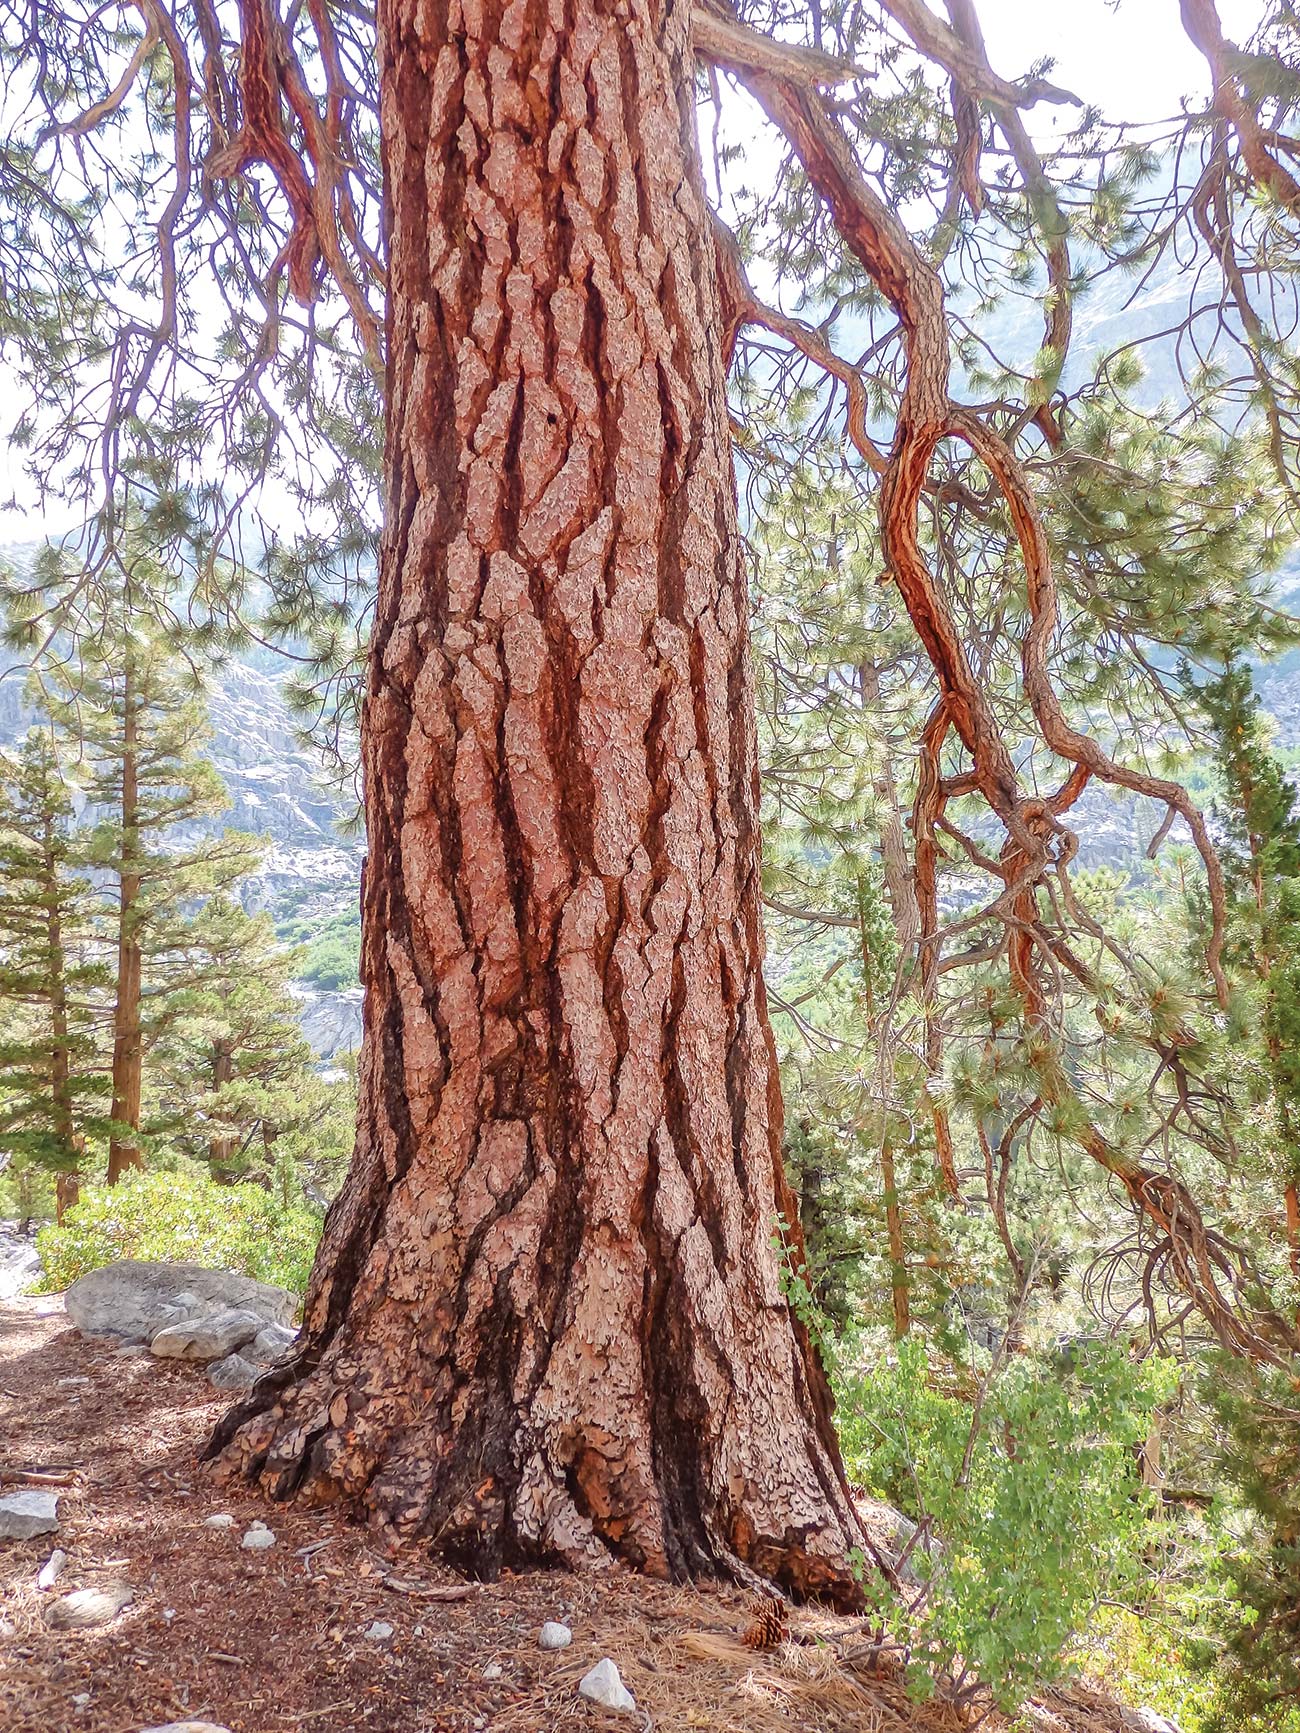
332, 963
183, 1218
1033, 1501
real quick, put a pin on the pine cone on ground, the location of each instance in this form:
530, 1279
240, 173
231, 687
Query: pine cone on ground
770, 1624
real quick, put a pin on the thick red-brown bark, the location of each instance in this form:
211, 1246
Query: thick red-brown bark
547, 1322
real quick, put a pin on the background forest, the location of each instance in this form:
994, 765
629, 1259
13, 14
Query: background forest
1044, 1131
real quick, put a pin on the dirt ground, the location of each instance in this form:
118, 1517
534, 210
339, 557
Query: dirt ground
259, 1642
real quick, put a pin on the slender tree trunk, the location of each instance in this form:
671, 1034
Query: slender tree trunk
546, 1322
897, 1245
123, 1150
67, 1192
901, 894
62, 1119
900, 888
221, 1146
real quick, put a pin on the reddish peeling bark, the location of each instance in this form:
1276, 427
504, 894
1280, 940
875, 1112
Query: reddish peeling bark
547, 1323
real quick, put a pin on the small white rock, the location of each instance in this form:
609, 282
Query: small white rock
1146, 1721
185, 1727
257, 1538
492, 1670
379, 1632
603, 1685
51, 1570
81, 1698
223, 1520
554, 1636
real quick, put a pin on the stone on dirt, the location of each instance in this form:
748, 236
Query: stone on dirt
257, 1538
1145, 1721
233, 1373
222, 1519
554, 1636
270, 1343
52, 1569
379, 1631
210, 1338
187, 1727
85, 1609
23, 1514
604, 1685
133, 1300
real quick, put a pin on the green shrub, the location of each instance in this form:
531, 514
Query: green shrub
1038, 1516
183, 1218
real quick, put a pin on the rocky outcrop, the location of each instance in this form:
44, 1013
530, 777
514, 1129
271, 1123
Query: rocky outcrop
20, 1264
331, 1021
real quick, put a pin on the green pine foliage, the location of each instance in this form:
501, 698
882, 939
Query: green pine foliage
1258, 1657
227, 1078
1258, 1436
233, 1073
1263, 862
53, 970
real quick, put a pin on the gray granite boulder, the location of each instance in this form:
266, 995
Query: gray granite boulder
23, 1514
234, 1373
135, 1301
270, 1344
209, 1338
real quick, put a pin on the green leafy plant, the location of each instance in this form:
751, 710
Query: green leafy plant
184, 1218
1029, 1501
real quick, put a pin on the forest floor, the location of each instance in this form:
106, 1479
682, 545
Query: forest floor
261, 1642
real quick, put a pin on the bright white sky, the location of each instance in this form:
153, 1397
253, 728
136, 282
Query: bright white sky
1129, 57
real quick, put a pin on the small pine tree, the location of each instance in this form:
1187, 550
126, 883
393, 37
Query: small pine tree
124, 689
52, 974
1259, 1434
1262, 863
1259, 1441
234, 1063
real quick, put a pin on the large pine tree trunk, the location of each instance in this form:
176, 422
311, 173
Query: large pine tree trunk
547, 1323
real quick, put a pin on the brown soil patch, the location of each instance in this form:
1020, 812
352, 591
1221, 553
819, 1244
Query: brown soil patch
265, 1642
